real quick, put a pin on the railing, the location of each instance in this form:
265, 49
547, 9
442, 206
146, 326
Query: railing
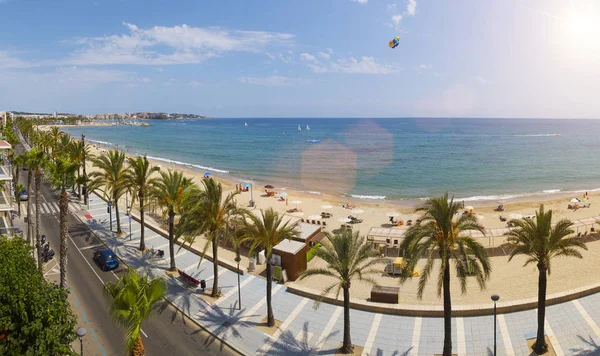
6, 172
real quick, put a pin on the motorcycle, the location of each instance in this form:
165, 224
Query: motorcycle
47, 254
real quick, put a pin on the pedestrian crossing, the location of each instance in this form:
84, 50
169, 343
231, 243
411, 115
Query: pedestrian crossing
52, 208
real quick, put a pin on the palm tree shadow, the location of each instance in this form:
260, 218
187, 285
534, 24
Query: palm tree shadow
287, 344
592, 348
228, 324
396, 353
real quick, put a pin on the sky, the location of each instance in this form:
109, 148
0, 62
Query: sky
305, 58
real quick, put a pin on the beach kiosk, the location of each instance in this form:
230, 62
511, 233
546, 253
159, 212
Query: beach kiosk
291, 255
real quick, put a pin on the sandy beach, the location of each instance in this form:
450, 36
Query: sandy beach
510, 280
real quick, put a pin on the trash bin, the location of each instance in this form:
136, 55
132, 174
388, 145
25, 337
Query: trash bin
251, 203
261, 257
252, 264
203, 284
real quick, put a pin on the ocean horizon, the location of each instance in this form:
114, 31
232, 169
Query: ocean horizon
391, 159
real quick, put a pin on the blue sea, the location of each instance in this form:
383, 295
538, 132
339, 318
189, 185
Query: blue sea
391, 159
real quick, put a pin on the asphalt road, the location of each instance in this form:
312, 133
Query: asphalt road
166, 333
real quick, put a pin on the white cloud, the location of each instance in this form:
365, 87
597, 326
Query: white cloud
424, 66
325, 56
159, 69
481, 80
308, 57
146, 80
360, 1
411, 7
396, 19
392, 6
329, 50
9, 61
161, 45
364, 65
274, 81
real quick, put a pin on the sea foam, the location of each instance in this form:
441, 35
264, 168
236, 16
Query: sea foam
166, 160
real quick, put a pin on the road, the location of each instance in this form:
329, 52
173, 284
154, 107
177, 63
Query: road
166, 333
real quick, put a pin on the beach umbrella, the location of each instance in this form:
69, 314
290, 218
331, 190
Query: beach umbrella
392, 214
284, 194
357, 211
296, 202
344, 220
269, 186
480, 217
500, 202
325, 207
575, 200
315, 217
297, 213
468, 207
515, 216
206, 174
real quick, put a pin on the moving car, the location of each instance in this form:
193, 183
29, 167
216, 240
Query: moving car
106, 259
23, 195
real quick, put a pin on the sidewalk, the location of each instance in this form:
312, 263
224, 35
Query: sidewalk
305, 330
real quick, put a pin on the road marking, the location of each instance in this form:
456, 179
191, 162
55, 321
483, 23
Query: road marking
557, 349
260, 303
587, 317
460, 335
143, 333
75, 299
162, 246
327, 331
416, 336
283, 327
84, 318
91, 247
508, 348
194, 265
234, 290
372, 333
93, 334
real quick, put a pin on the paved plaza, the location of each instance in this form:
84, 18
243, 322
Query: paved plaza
306, 330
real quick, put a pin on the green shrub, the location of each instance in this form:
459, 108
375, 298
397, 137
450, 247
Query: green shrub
311, 253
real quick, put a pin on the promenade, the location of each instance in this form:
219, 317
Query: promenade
571, 327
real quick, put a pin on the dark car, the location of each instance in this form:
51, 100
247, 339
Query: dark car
106, 259
23, 195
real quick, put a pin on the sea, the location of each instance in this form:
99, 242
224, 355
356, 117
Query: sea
395, 159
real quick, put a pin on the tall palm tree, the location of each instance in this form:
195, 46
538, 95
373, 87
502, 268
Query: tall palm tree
206, 212
26, 159
348, 258
18, 189
36, 159
170, 191
113, 176
139, 178
80, 151
264, 233
53, 138
540, 242
17, 164
438, 234
135, 298
62, 172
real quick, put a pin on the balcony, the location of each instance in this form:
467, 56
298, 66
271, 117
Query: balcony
7, 201
5, 173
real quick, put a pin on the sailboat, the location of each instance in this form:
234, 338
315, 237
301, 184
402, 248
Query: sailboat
299, 128
307, 128
245, 124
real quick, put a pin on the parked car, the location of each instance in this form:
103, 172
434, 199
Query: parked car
25, 167
106, 259
23, 195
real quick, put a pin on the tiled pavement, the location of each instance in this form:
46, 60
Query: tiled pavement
307, 330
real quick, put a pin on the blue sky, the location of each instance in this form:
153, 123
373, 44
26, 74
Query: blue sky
309, 58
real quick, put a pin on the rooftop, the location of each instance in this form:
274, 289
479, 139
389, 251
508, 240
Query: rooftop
5, 145
289, 246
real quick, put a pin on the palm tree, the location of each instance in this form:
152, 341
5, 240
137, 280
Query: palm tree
62, 173
53, 139
139, 177
437, 234
113, 176
135, 298
26, 160
206, 212
348, 258
36, 159
170, 191
540, 242
264, 233
18, 190
17, 164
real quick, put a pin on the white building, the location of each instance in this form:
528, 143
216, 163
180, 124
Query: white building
7, 199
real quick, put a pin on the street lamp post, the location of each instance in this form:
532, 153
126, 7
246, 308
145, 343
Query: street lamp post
80, 334
495, 298
110, 214
238, 259
129, 215
85, 194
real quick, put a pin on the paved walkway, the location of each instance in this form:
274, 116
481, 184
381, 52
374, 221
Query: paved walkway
572, 327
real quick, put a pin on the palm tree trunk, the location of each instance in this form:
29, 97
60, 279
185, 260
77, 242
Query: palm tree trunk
78, 184
142, 244
447, 311
85, 195
116, 205
347, 343
171, 242
63, 207
29, 239
38, 189
270, 316
138, 348
540, 345
215, 250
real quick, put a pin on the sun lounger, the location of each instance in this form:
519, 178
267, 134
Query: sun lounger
324, 224
314, 222
319, 222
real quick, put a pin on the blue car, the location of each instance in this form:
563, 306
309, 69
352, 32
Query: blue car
106, 259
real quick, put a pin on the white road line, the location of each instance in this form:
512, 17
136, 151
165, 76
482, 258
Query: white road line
193, 265
587, 317
43, 209
557, 349
327, 330
416, 336
460, 337
55, 207
181, 253
91, 247
300, 337
508, 348
234, 290
267, 346
146, 238
372, 333
162, 246
260, 303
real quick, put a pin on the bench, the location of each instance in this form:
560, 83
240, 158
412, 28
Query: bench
385, 295
188, 278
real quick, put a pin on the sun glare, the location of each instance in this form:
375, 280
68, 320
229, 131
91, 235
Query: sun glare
583, 30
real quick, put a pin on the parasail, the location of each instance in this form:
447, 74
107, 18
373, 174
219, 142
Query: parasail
394, 43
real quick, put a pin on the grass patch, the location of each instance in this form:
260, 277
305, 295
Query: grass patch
311, 253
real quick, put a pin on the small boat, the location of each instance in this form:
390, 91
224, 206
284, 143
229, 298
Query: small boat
245, 124
313, 141
307, 128
299, 128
